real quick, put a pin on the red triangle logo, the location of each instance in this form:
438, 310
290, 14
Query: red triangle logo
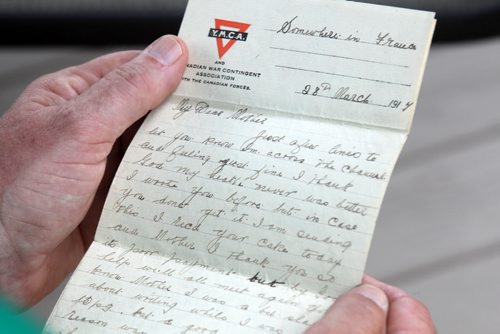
219, 24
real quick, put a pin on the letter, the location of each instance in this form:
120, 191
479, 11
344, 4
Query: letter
247, 200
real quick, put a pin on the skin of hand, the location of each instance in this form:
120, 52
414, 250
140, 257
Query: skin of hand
375, 308
60, 144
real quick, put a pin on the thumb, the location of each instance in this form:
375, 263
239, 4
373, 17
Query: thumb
128, 92
361, 310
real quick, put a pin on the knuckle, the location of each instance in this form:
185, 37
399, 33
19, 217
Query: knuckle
61, 83
75, 81
42, 81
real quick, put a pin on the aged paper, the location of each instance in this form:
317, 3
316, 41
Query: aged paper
247, 201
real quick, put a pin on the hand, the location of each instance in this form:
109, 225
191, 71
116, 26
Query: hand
59, 149
375, 308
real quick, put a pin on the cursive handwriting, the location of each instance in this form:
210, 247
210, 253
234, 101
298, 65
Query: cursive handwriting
290, 27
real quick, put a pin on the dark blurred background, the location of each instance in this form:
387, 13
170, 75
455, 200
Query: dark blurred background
438, 234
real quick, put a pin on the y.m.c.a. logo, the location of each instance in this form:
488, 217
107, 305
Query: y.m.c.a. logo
227, 37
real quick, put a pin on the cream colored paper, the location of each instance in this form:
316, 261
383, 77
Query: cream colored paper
247, 201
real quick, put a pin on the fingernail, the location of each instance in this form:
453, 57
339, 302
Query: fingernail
375, 295
165, 49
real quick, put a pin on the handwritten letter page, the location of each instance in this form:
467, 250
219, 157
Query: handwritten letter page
247, 201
